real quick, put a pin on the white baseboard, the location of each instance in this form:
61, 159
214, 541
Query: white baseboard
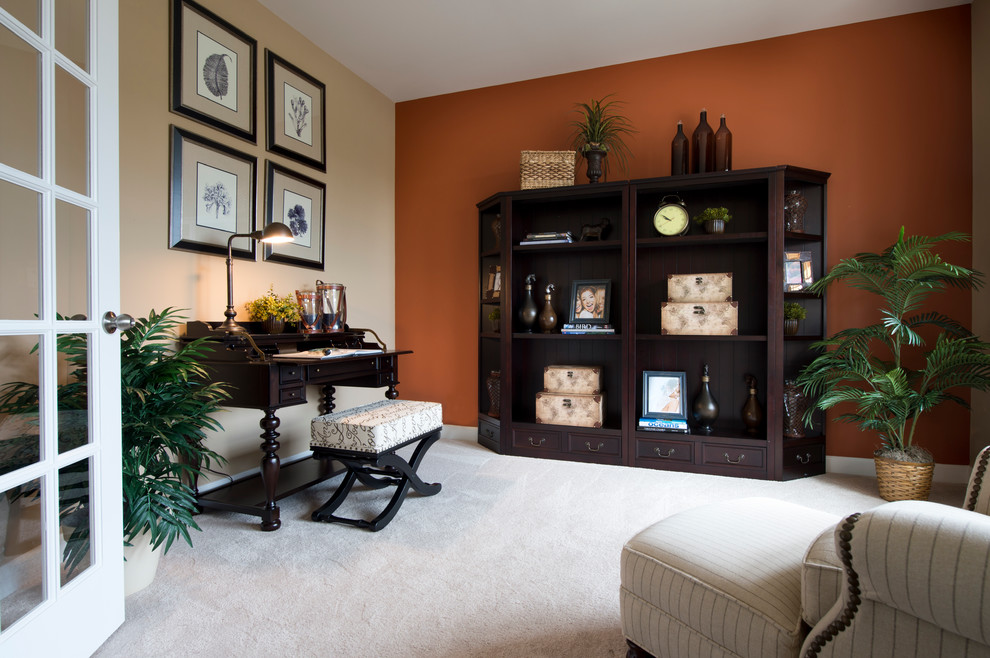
950, 473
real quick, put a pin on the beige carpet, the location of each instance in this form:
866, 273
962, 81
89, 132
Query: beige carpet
515, 557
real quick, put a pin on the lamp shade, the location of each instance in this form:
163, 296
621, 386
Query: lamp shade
274, 233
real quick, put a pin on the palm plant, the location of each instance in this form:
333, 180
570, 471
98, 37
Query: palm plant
868, 366
600, 128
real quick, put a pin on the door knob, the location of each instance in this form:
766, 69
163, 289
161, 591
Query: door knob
112, 322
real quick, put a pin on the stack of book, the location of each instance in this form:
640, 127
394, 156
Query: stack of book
663, 425
587, 329
549, 237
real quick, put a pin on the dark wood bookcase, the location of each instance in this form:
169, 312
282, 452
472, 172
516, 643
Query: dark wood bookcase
637, 261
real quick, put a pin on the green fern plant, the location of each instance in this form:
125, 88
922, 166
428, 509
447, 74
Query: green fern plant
601, 128
868, 367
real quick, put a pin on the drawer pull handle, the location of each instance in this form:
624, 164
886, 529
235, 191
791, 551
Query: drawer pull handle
566, 403
535, 444
667, 455
742, 456
587, 444
807, 458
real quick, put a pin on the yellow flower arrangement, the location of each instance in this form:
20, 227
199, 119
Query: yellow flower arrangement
271, 306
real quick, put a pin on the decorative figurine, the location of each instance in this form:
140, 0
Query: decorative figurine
595, 231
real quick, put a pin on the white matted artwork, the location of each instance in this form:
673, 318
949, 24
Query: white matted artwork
298, 202
296, 121
212, 196
299, 116
215, 61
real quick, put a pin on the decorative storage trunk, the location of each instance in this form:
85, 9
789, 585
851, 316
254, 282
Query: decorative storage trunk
586, 380
699, 318
570, 409
704, 287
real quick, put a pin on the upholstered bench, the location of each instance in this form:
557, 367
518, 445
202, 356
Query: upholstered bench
719, 580
364, 439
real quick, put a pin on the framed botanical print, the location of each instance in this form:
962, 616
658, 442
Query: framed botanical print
214, 71
296, 113
213, 192
298, 202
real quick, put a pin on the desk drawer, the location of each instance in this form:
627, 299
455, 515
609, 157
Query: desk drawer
290, 374
540, 439
293, 395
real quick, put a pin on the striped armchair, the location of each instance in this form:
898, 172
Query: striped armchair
910, 578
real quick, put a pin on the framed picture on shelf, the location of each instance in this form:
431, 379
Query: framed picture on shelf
213, 77
212, 196
590, 301
664, 395
299, 202
493, 289
296, 113
798, 271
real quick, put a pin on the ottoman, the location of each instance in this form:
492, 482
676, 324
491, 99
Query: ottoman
719, 580
364, 439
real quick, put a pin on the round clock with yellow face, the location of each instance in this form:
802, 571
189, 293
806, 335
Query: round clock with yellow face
671, 218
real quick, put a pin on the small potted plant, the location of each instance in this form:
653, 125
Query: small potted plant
886, 373
494, 317
273, 311
793, 314
598, 133
713, 219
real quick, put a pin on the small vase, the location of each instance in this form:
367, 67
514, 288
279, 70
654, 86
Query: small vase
795, 404
679, 149
794, 206
596, 160
273, 326
705, 405
714, 226
493, 384
752, 412
528, 310
548, 317
791, 326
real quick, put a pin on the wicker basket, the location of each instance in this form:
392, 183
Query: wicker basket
540, 169
903, 480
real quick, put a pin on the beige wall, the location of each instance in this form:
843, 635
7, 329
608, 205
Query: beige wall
359, 200
980, 419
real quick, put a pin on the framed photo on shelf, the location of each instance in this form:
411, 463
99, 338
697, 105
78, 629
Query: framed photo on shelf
296, 113
299, 202
798, 273
590, 301
493, 288
664, 395
213, 76
212, 196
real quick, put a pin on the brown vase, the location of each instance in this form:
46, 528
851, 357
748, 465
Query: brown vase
899, 480
714, 226
752, 412
548, 316
791, 326
273, 326
596, 160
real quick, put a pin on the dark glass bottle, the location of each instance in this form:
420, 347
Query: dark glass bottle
723, 147
548, 317
528, 310
705, 406
703, 146
679, 149
752, 412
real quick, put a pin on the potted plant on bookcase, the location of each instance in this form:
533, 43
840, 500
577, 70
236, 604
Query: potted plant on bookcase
872, 367
598, 133
713, 219
793, 314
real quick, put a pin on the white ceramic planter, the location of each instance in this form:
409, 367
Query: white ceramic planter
140, 564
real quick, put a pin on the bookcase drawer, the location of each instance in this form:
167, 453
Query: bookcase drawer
715, 454
539, 439
594, 444
665, 450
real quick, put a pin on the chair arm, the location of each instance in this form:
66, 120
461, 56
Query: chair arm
978, 496
928, 560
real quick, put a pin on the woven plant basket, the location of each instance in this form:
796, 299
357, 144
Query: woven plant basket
539, 169
903, 480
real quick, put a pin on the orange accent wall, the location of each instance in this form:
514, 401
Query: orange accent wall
885, 106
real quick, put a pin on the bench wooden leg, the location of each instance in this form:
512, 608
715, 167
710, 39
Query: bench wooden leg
377, 472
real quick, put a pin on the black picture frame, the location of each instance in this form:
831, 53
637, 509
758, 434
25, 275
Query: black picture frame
664, 394
226, 98
296, 120
210, 177
299, 202
602, 291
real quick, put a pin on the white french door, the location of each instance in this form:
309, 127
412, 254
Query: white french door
61, 562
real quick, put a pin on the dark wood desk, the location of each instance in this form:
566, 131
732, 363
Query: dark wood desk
258, 381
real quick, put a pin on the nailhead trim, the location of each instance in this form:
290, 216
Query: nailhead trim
852, 604
980, 471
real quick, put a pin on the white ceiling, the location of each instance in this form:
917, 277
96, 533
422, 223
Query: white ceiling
410, 49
